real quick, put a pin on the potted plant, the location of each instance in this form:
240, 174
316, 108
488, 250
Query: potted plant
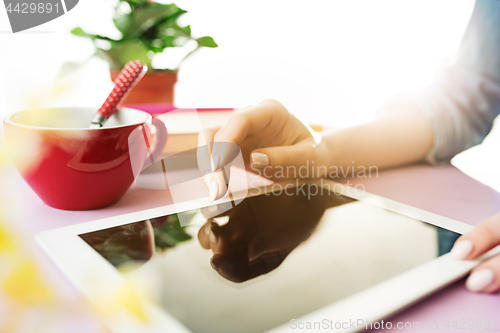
147, 29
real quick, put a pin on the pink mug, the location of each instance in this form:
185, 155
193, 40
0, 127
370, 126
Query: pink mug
73, 167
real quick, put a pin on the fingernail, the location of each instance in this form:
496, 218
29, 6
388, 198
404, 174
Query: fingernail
213, 238
215, 161
461, 249
208, 228
223, 266
480, 279
213, 190
222, 191
214, 266
260, 159
257, 252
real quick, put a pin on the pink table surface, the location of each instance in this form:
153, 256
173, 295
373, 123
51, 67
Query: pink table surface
157, 109
441, 190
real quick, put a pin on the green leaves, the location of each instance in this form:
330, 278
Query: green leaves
139, 22
170, 234
150, 17
146, 29
81, 33
207, 42
122, 23
186, 31
124, 52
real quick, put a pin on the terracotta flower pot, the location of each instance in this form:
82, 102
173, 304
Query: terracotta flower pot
155, 87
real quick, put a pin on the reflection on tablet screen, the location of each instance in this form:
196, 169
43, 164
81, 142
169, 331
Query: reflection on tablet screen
276, 257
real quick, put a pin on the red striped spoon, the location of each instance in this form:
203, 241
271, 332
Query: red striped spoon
125, 81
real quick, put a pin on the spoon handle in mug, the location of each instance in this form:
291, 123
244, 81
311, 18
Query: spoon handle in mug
126, 80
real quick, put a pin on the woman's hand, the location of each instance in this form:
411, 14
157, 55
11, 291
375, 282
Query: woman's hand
268, 136
485, 277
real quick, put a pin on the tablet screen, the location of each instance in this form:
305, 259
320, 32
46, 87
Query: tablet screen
269, 259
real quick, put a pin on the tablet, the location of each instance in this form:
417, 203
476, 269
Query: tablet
316, 255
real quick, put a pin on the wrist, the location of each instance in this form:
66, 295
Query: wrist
322, 157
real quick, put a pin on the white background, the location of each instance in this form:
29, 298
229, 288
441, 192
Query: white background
330, 62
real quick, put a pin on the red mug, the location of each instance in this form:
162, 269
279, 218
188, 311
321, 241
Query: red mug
73, 167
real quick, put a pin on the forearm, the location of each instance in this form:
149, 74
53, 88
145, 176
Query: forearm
396, 138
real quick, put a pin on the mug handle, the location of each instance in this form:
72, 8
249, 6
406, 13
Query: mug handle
160, 140
154, 145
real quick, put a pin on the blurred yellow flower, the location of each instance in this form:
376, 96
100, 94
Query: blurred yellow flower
129, 297
21, 283
24, 289
7, 242
25, 284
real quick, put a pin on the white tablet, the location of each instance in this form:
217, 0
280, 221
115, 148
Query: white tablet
324, 256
